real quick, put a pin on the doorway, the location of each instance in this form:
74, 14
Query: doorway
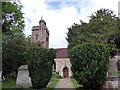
65, 72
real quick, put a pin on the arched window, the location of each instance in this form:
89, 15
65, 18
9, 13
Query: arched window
36, 37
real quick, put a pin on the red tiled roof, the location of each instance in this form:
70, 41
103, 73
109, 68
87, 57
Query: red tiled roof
62, 53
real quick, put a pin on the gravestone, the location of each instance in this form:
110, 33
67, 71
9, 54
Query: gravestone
113, 64
23, 79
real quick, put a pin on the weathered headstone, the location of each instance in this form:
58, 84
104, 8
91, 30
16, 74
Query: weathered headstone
23, 79
113, 64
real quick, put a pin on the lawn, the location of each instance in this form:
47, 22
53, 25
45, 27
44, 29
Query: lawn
54, 82
11, 84
114, 74
76, 85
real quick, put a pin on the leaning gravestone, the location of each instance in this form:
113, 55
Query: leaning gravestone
23, 79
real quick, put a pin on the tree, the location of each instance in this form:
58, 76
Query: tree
103, 27
89, 64
12, 19
14, 54
40, 62
13, 41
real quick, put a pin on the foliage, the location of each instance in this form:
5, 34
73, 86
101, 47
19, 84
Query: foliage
89, 64
103, 27
13, 42
40, 63
12, 19
13, 55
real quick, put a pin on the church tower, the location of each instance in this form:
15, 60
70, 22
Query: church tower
40, 34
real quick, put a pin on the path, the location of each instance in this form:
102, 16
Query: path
65, 83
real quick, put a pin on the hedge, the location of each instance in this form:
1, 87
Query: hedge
89, 64
40, 61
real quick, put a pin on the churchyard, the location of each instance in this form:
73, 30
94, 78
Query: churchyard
10, 83
93, 53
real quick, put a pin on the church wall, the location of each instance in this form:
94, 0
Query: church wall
61, 63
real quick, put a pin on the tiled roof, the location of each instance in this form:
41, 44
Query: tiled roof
62, 53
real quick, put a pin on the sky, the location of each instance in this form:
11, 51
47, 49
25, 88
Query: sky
60, 15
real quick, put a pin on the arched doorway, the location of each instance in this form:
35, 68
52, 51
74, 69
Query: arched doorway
65, 72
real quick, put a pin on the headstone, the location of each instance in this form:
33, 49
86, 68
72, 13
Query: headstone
113, 64
23, 79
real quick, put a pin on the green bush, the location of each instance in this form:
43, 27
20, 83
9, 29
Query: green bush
40, 66
89, 64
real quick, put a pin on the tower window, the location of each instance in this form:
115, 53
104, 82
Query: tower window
47, 39
36, 37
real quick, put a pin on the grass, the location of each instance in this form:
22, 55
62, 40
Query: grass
11, 84
114, 74
54, 83
76, 85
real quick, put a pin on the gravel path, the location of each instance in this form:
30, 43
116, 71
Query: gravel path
65, 83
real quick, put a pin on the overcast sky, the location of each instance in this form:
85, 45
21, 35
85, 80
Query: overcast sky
61, 14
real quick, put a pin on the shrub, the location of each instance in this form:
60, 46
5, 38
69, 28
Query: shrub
40, 66
89, 64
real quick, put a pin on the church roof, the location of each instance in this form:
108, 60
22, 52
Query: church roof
62, 53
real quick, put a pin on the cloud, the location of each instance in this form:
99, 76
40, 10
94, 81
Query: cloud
60, 15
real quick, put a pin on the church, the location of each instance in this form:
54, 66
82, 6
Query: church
40, 34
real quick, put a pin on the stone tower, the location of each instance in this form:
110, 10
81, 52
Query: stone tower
40, 34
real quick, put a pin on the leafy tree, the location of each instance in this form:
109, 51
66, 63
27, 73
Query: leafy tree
89, 64
12, 19
13, 41
14, 54
103, 27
